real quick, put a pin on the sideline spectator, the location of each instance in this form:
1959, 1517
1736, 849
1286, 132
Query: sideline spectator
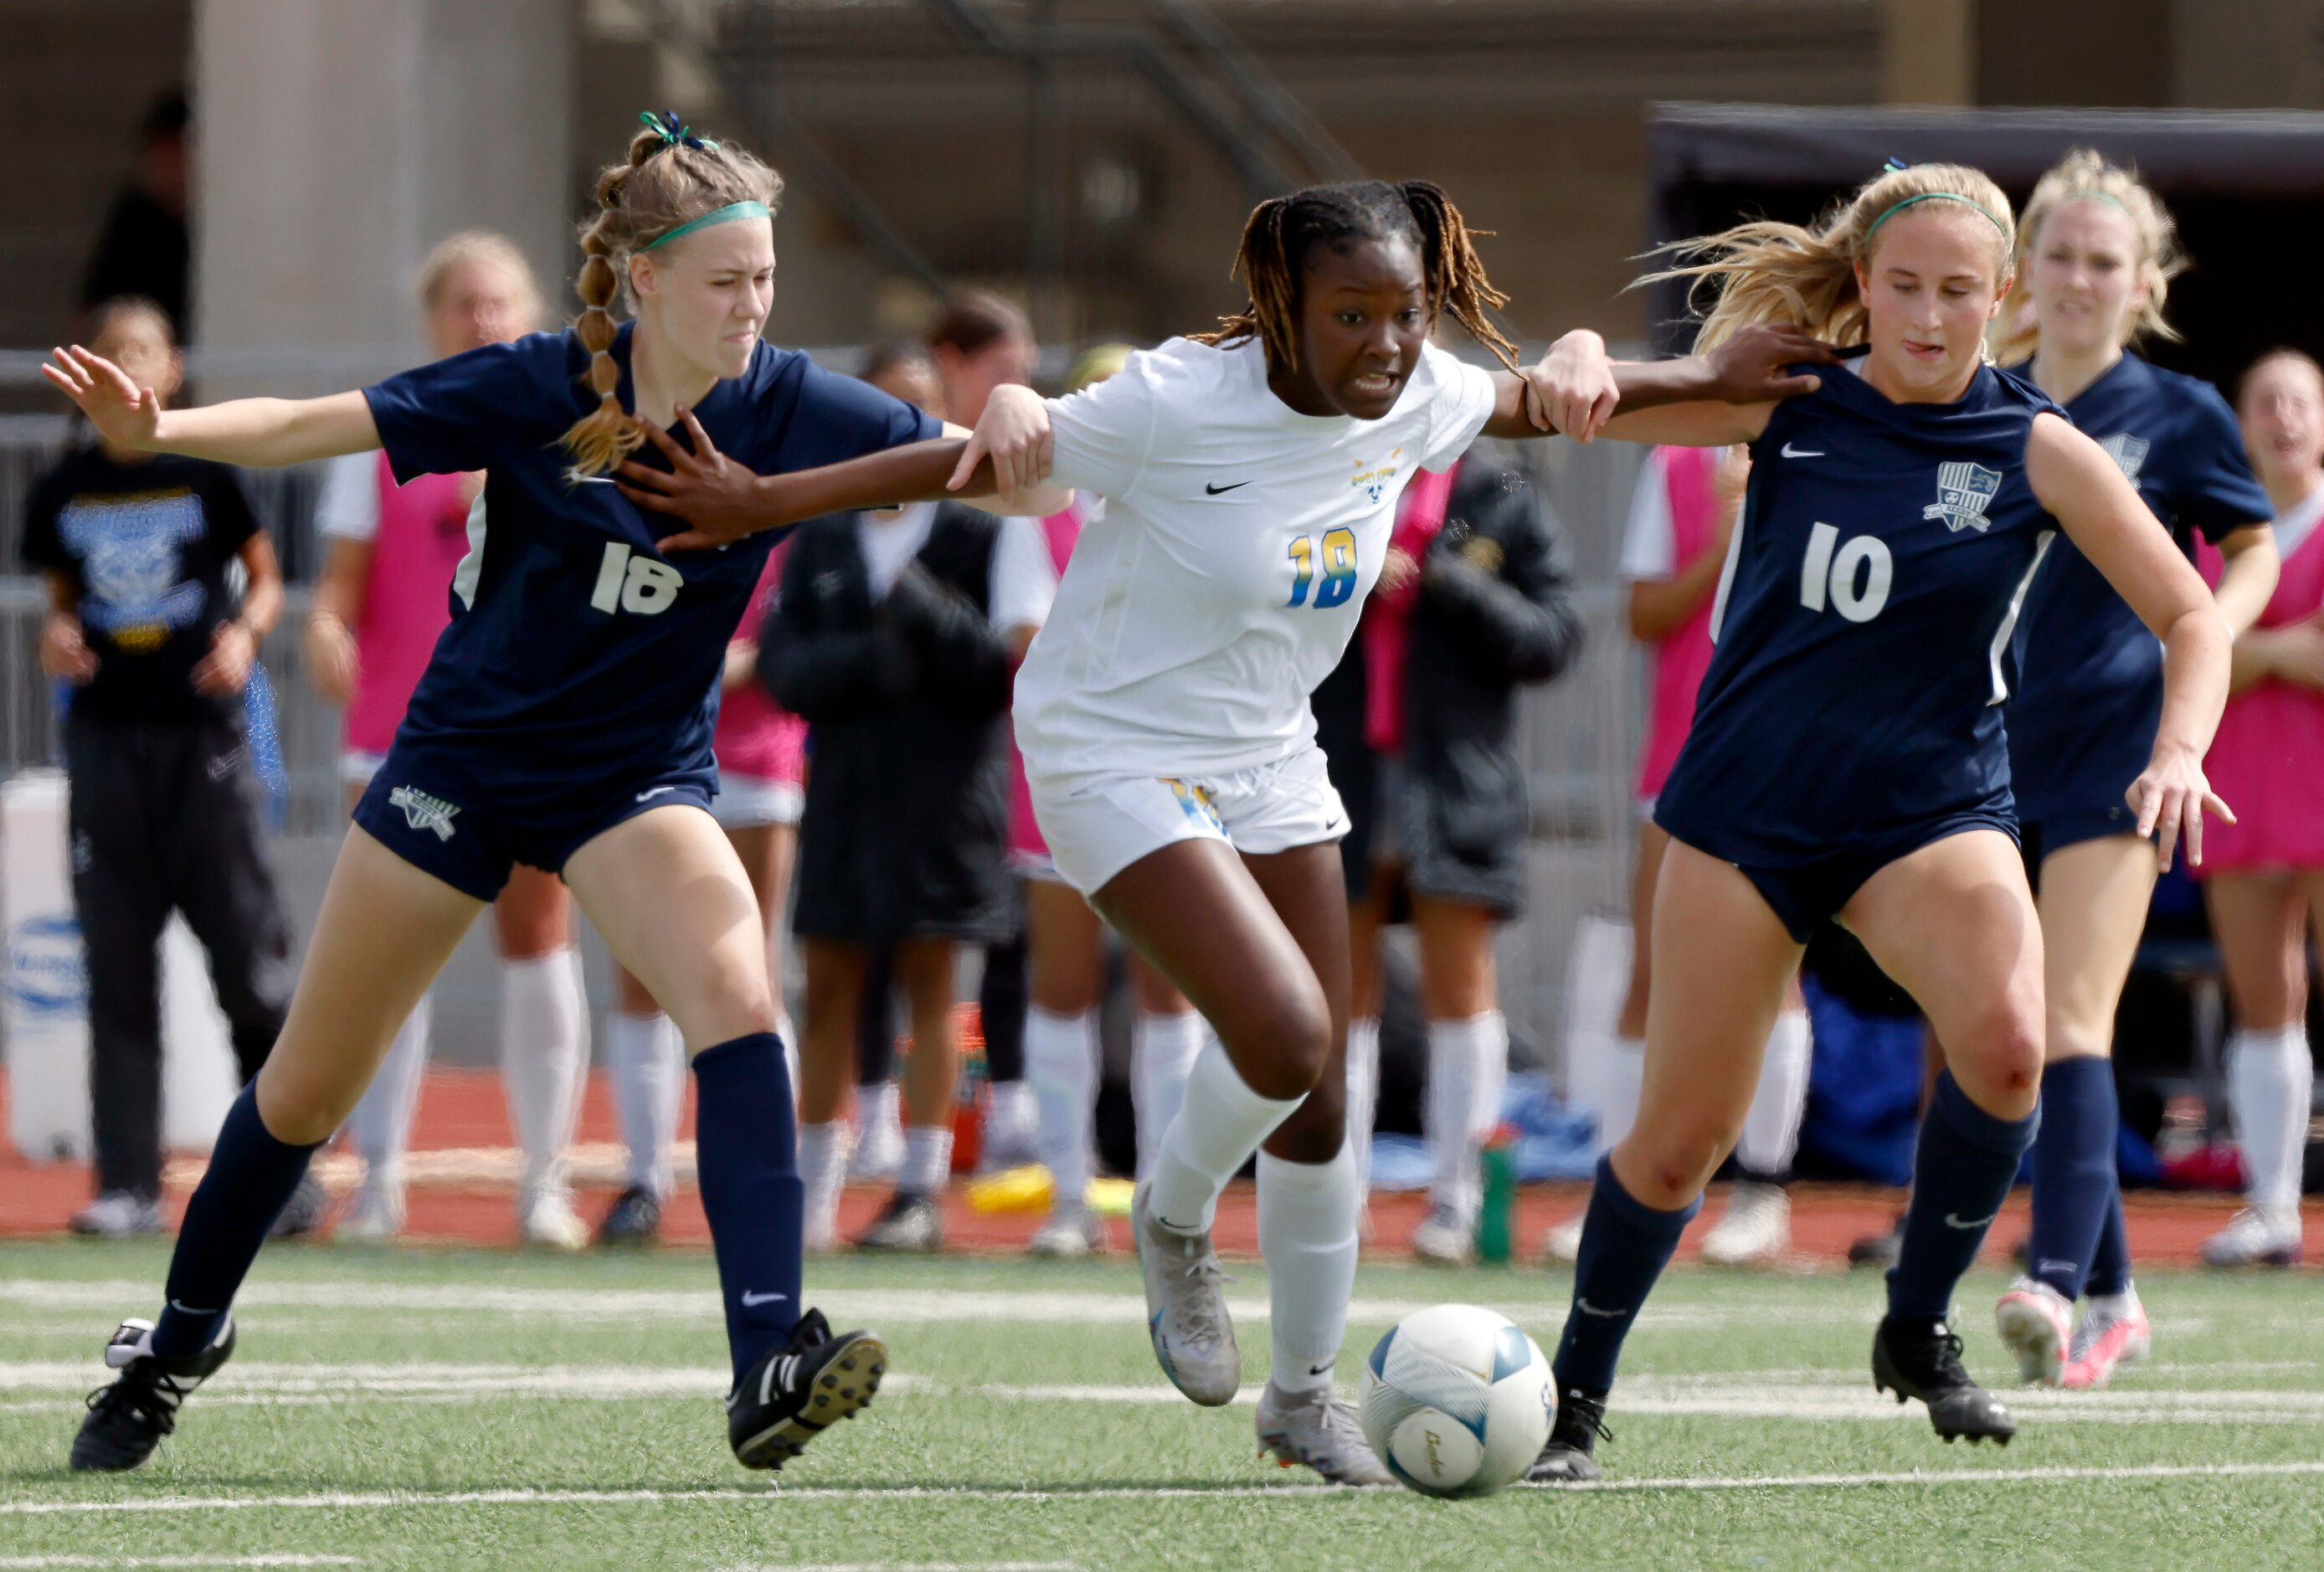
144, 248
139, 552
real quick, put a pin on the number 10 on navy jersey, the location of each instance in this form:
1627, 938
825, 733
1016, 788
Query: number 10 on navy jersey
1852, 578
627, 582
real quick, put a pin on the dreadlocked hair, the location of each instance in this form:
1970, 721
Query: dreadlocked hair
661, 184
1282, 231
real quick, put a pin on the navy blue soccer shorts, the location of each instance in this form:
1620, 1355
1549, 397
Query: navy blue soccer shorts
1806, 896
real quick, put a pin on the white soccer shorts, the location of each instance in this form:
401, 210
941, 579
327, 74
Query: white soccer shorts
1096, 825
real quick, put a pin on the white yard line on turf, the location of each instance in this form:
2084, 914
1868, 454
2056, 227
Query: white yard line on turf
285, 1559
354, 1501
905, 1566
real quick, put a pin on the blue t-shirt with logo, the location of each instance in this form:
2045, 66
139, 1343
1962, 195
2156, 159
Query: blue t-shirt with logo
578, 654
2082, 724
1863, 624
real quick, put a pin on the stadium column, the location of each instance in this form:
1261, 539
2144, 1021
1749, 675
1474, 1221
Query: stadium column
337, 143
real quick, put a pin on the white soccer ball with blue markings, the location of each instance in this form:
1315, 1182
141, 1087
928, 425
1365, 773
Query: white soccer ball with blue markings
1457, 1401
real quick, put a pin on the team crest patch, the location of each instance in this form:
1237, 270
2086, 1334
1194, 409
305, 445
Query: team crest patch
2128, 453
1963, 490
1373, 482
422, 812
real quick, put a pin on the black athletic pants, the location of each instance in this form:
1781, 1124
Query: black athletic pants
165, 817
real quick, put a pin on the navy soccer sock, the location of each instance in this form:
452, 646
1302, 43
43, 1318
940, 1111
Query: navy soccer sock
2073, 1170
1961, 1173
746, 1158
250, 1178
1625, 1246
2110, 1262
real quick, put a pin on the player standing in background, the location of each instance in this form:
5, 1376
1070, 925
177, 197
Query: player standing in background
1682, 518
565, 722
2266, 884
2094, 258
384, 598
1848, 759
1250, 479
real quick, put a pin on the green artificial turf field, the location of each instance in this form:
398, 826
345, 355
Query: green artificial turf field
409, 1409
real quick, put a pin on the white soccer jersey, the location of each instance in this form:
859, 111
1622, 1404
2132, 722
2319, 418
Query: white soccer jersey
1224, 580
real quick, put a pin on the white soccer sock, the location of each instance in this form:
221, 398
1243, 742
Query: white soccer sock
928, 1160
1162, 1053
823, 1169
647, 1064
1363, 1097
1771, 1129
2271, 1080
1061, 1066
1219, 1125
1468, 1068
1622, 1081
544, 1055
380, 1126
1308, 1233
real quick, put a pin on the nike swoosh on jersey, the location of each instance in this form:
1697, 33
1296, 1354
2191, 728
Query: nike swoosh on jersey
1791, 452
1211, 490
753, 1301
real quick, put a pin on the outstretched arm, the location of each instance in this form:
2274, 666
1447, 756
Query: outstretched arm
2085, 492
258, 432
1576, 390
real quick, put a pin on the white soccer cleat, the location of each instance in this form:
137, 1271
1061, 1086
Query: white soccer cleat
1442, 1239
1071, 1232
1562, 1243
546, 1220
2112, 1334
1756, 1230
2036, 1324
2256, 1237
878, 1154
1186, 1314
374, 1217
1314, 1430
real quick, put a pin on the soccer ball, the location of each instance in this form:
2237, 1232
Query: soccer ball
1457, 1401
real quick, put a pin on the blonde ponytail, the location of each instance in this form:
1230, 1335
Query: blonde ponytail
2082, 175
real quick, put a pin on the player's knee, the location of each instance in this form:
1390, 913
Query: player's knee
725, 1002
1679, 1157
2002, 1053
1290, 1039
301, 1110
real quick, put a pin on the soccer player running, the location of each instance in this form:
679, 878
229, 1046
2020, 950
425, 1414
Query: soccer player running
1848, 760
2095, 257
564, 723
1250, 479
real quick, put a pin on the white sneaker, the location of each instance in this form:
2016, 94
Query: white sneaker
117, 1214
1443, 1238
1755, 1229
1316, 1429
2256, 1237
1186, 1314
1562, 1243
1071, 1232
2036, 1323
1012, 1127
878, 1154
546, 1219
373, 1217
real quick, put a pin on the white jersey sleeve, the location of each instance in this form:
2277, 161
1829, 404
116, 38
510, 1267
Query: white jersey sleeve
1460, 401
1104, 434
1024, 583
1649, 547
348, 507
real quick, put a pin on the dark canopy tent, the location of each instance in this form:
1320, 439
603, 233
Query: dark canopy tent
2248, 190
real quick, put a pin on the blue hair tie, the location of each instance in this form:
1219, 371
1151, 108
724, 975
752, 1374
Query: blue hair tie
673, 132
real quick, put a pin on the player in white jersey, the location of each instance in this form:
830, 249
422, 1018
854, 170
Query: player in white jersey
1250, 478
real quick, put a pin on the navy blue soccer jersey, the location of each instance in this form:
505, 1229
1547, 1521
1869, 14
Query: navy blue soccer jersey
578, 654
1863, 625
2090, 695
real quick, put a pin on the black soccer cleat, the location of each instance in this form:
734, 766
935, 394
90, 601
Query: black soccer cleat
634, 1219
1920, 1356
795, 1392
1878, 1251
127, 1419
301, 1217
1574, 1437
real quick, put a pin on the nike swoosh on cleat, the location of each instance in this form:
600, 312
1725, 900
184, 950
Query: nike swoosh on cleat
753, 1301
1587, 1308
1953, 1220
1791, 452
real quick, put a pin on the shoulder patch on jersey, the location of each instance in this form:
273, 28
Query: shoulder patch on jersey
2128, 453
1963, 490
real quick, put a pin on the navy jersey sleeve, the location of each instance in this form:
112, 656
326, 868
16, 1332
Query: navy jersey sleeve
454, 414
836, 417
2212, 486
225, 507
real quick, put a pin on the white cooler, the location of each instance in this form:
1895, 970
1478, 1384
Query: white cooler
44, 1004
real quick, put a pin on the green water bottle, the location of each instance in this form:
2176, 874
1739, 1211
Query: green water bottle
1496, 1214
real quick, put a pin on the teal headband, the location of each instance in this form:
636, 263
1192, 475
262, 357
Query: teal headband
1931, 196
726, 215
